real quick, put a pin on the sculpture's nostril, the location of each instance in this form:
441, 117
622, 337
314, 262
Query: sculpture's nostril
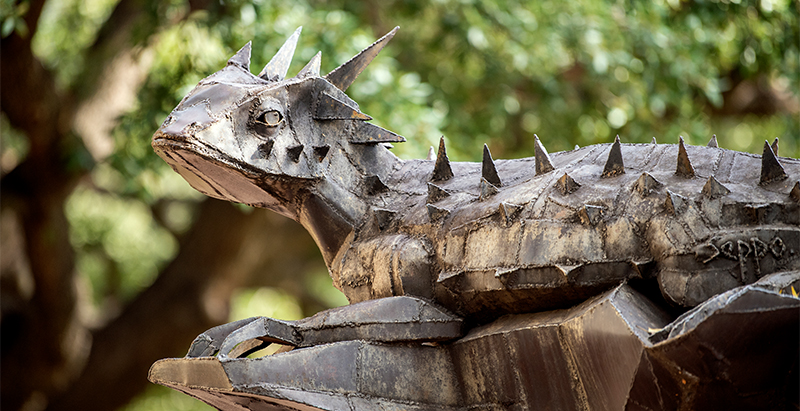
186, 122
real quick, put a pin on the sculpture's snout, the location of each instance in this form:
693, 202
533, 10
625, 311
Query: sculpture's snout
182, 124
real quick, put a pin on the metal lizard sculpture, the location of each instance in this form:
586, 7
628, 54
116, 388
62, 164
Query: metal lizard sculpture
531, 258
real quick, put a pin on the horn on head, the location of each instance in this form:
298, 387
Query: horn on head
242, 57
277, 68
343, 76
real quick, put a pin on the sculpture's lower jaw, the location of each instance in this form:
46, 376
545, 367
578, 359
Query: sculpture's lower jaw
615, 351
216, 178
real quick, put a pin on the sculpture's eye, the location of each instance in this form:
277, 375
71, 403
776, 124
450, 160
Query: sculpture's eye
270, 118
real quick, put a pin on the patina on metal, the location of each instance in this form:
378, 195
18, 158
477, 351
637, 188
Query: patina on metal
509, 284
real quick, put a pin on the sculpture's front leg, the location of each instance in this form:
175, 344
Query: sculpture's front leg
392, 319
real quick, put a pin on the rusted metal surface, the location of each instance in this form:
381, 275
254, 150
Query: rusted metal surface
549, 264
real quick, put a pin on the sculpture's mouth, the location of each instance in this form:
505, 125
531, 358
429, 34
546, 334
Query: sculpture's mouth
212, 172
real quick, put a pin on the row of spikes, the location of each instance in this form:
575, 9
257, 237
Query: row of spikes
327, 106
341, 77
771, 171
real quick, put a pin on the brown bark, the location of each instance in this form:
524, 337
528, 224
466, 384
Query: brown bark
39, 336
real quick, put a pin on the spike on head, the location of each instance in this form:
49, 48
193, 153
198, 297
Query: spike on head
265, 149
771, 168
312, 68
713, 141
242, 57
294, 152
320, 152
442, 170
278, 66
543, 162
331, 108
614, 164
775, 146
684, 168
368, 133
653, 141
488, 169
714, 189
343, 76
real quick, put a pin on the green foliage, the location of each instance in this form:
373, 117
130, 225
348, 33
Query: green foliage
66, 29
11, 18
580, 72
120, 247
158, 397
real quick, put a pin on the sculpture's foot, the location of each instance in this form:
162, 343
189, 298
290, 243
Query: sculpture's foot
392, 319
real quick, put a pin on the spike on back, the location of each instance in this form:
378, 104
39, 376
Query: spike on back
431, 154
487, 189
675, 203
508, 211
775, 146
374, 185
436, 193
566, 184
242, 57
653, 141
441, 170
684, 168
384, 217
795, 193
312, 68
488, 169
646, 184
614, 164
713, 141
771, 168
343, 76
590, 214
543, 163
436, 213
714, 189
278, 66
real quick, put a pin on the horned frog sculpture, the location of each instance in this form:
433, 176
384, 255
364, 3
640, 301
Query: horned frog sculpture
508, 284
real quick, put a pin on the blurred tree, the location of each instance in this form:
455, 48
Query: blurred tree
110, 261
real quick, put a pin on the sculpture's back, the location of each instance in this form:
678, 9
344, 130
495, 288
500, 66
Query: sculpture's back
485, 240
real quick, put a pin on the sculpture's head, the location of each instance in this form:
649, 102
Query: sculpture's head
256, 139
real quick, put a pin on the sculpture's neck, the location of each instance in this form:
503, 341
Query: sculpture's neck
330, 214
335, 206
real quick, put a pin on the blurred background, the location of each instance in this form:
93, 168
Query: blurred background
111, 261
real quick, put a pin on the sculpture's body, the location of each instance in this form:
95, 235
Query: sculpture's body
484, 240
